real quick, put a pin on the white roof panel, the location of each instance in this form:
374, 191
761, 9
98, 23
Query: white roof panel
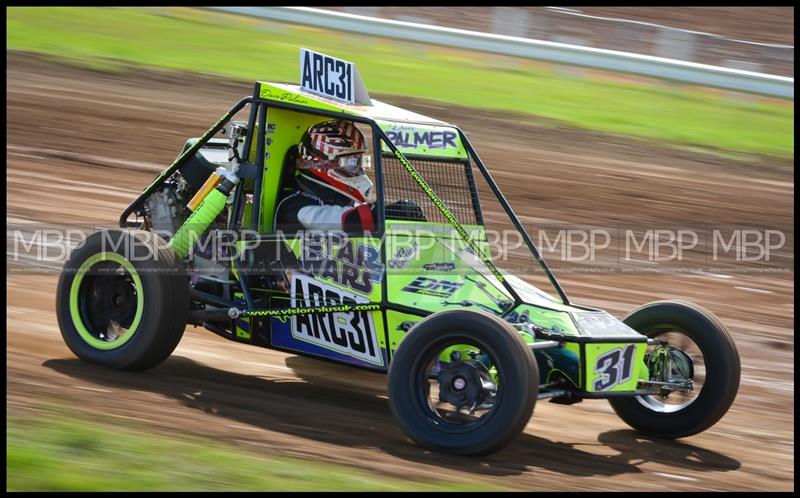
379, 111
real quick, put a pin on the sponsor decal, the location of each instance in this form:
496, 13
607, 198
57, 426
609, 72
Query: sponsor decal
282, 314
351, 333
403, 256
413, 137
432, 287
348, 263
422, 229
326, 75
439, 266
266, 92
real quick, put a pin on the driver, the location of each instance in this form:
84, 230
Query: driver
331, 190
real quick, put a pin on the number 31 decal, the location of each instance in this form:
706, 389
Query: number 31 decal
614, 367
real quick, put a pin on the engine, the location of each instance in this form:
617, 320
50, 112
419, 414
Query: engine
165, 209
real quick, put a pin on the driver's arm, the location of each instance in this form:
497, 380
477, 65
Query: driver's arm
349, 219
322, 217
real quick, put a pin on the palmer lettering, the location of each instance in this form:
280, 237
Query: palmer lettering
431, 139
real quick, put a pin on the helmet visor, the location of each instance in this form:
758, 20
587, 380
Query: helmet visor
354, 164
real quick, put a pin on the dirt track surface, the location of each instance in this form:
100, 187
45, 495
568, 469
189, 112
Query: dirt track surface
276, 402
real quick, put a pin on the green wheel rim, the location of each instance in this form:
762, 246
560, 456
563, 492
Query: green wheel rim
74, 301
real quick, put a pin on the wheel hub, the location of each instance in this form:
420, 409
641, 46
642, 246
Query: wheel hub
110, 303
669, 364
122, 300
465, 383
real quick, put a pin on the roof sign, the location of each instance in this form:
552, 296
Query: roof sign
330, 77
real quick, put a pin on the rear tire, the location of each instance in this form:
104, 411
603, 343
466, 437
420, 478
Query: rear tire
122, 300
722, 371
409, 374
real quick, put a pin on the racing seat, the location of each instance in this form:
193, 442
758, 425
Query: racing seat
287, 184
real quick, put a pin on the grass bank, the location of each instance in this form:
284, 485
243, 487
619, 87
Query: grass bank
70, 453
196, 40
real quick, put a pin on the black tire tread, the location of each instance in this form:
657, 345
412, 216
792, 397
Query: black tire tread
168, 324
711, 406
513, 419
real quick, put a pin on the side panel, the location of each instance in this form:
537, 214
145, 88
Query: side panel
429, 268
614, 367
333, 270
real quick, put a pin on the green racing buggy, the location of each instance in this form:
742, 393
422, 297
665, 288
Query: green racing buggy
468, 348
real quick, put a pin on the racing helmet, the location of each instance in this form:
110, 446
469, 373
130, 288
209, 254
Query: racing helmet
333, 154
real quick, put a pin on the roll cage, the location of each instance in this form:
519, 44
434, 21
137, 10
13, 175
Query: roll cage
294, 99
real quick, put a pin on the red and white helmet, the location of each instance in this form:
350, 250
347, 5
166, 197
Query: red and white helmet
333, 154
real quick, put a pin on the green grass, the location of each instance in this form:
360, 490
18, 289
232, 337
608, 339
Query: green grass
72, 454
201, 41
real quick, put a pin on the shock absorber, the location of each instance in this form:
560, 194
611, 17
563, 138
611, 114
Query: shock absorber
211, 203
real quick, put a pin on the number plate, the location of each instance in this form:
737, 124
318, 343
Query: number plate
613, 367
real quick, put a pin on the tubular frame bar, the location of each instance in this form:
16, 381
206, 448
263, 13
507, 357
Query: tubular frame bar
180, 160
262, 132
381, 219
208, 315
474, 195
207, 298
543, 345
239, 196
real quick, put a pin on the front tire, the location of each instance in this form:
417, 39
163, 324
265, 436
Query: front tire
122, 300
717, 355
493, 372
